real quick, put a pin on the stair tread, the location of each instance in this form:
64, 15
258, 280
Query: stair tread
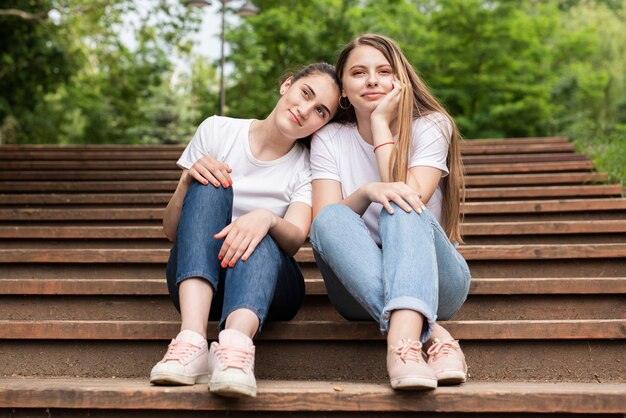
468, 229
586, 329
76, 252
316, 395
156, 286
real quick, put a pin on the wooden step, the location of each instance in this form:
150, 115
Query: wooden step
67, 165
544, 206
77, 253
173, 154
19, 177
546, 191
156, 231
545, 167
297, 396
468, 142
523, 158
315, 308
540, 228
481, 149
534, 179
316, 330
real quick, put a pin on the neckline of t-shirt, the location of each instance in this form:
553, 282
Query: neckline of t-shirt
271, 163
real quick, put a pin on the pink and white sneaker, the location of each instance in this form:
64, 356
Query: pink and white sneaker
407, 368
185, 363
447, 361
231, 361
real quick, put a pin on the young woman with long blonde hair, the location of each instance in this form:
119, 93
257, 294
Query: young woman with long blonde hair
387, 188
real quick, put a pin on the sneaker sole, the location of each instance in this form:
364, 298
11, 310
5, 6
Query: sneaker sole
171, 379
451, 377
232, 390
414, 383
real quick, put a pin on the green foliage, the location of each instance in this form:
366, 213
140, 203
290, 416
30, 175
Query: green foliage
504, 68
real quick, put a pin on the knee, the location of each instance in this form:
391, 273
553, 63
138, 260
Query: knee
328, 219
208, 195
403, 217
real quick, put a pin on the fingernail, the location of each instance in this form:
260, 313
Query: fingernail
223, 265
231, 264
420, 211
244, 258
408, 210
216, 184
219, 257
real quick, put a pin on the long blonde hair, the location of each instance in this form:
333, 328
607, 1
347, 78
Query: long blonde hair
415, 102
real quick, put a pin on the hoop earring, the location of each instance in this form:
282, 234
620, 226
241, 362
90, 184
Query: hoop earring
342, 106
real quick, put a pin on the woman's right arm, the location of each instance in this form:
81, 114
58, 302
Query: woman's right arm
205, 170
175, 206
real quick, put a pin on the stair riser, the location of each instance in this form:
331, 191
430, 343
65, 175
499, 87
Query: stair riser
107, 413
558, 361
316, 308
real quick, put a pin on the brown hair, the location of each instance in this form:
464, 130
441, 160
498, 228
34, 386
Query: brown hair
415, 102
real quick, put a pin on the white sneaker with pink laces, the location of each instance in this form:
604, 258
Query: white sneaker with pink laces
231, 361
446, 359
185, 363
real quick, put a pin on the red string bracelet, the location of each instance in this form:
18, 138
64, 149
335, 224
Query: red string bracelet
384, 143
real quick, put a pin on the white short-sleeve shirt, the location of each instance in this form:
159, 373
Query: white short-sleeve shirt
271, 185
338, 152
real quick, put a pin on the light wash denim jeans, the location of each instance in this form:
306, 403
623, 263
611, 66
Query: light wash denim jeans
418, 268
269, 282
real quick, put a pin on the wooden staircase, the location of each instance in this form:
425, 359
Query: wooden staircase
84, 311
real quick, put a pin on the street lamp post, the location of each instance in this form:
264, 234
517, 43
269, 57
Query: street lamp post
248, 9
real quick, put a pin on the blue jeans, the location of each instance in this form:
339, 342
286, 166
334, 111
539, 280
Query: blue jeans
269, 282
417, 267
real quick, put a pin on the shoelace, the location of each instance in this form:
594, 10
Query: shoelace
409, 350
235, 357
178, 350
439, 348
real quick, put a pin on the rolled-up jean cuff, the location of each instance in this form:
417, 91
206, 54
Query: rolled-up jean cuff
254, 310
199, 275
413, 304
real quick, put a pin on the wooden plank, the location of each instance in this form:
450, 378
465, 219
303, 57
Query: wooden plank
90, 175
91, 165
545, 167
523, 158
85, 155
546, 191
83, 232
47, 214
76, 253
173, 174
315, 330
545, 206
156, 232
516, 141
532, 206
479, 149
88, 186
478, 286
535, 179
297, 396
85, 198
540, 228
548, 286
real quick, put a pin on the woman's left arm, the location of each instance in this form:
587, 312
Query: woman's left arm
424, 180
242, 236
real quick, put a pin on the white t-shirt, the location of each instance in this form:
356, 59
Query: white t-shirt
338, 152
272, 185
